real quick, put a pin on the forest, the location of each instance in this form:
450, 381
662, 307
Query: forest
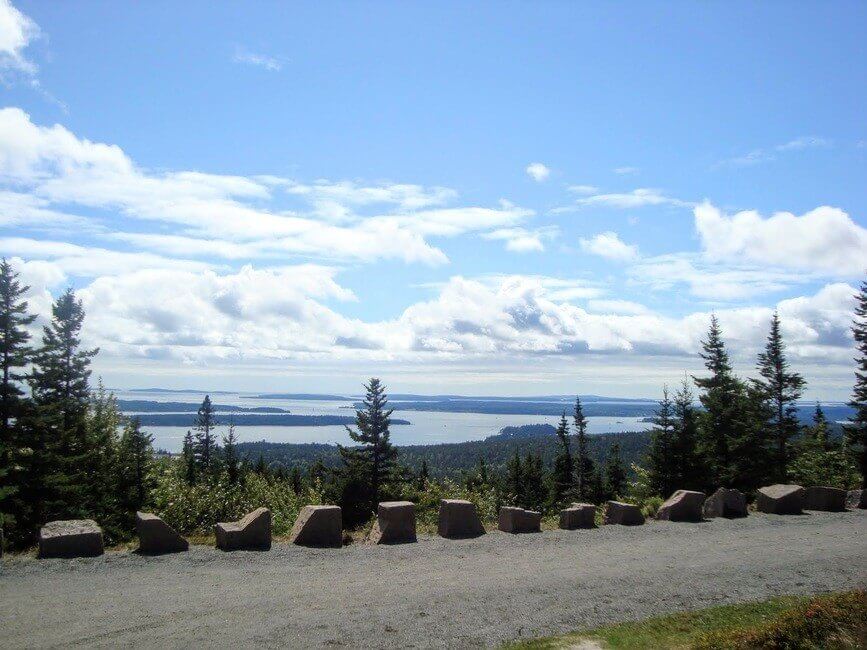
67, 452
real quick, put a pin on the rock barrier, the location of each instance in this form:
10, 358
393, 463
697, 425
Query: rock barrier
459, 519
624, 514
824, 498
70, 538
780, 499
578, 515
156, 537
518, 520
725, 502
253, 532
318, 526
395, 523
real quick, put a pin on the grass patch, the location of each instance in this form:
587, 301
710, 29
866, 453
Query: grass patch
796, 622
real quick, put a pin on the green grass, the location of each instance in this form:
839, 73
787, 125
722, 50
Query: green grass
724, 626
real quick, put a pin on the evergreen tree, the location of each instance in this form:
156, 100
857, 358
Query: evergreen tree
535, 489
103, 421
59, 384
423, 475
188, 455
317, 472
856, 429
14, 351
135, 463
260, 467
821, 429
585, 471
230, 456
782, 388
295, 480
515, 478
369, 467
562, 478
615, 473
690, 472
205, 440
661, 462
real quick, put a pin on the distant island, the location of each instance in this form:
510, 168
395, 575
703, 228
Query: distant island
524, 431
149, 406
303, 396
253, 420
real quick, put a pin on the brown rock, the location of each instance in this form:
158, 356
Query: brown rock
320, 526
71, 538
683, 505
780, 499
459, 519
155, 536
253, 532
726, 502
518, 520
578, 515
824, 498
625, 514
856, 499
395, 523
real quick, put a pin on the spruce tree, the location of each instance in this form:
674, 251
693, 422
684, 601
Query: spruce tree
230, 456
371, 465
820, 429
515, 478
782, 388
205, 439
188, 459
14, 350
535, 491
423, 475
561, 484
856, 429
615, 473
295, 480
690, 471
661, 462
135, 463
585, 471
103, 421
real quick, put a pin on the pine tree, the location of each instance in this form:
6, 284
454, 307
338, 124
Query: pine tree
188, 456
690, 471
135, 462
856, 429
423, 475
230, 456
260, 467
535, 489
295, 480
782, 388
103, 421
372, 463
515, 478
205, 441
561, 484
615, 473
585, 471
661, 462
820, 429
14, 351
59, 385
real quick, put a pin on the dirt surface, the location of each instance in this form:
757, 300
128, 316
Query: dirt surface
436, 593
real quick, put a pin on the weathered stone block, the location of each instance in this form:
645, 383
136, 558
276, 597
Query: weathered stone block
71, 538
318, 526
780, 499
518, 520
625, 514
459, 519
155, 536
856, 499
683, 505
253, 532
824, 498
395, 523
578, 515
725, 502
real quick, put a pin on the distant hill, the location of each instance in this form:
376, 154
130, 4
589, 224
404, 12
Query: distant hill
177, 390
148, 406
252, 420
525, 431
501, 407
303, 396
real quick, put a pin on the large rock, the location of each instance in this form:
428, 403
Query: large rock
253, 532
578, 515
824, 498
395, 523
725, 502
320, 526
518, 520
71, 538
459, 519
155, 536
780, 499
856, 499
625, 514
683, 505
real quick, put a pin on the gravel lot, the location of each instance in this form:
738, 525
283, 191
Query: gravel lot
436, 593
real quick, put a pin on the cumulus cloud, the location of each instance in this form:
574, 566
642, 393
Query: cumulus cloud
537, 171
610, 246
625, 171
637, 198
824, 240
16, 33
520, 240
258, 60
583, 189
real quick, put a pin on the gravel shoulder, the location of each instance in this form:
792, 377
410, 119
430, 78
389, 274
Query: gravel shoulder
436, 593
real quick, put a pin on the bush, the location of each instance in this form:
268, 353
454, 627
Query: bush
833, 621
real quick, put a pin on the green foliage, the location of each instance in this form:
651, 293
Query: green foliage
856, 429
562, 478
661, 467
586, 478
204, 443
615, 474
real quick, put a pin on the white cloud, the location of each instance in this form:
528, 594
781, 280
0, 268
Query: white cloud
609, 245
637, 198
824, 240
617, 307
259, 60
16, 33
762, 155
583, 189
520, 240
803, 142
537, 171
625, 171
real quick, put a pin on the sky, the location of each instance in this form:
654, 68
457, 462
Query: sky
480, 198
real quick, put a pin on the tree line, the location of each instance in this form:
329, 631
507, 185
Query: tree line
67, 452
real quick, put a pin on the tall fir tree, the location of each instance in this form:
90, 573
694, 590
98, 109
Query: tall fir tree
14, 350
188, 456
820, 431
615, 473
690, 472
515, 478
856, 429
535, 484
369, 468
585, 470
563, 474
661, 462
423, 475
205, 440
230, 456
135, 463
782, 388
59, 383
103, 421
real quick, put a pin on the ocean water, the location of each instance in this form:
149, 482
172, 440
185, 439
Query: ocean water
426, 428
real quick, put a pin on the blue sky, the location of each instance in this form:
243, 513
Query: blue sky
487, 197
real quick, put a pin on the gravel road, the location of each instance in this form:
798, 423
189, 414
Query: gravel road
436, 593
